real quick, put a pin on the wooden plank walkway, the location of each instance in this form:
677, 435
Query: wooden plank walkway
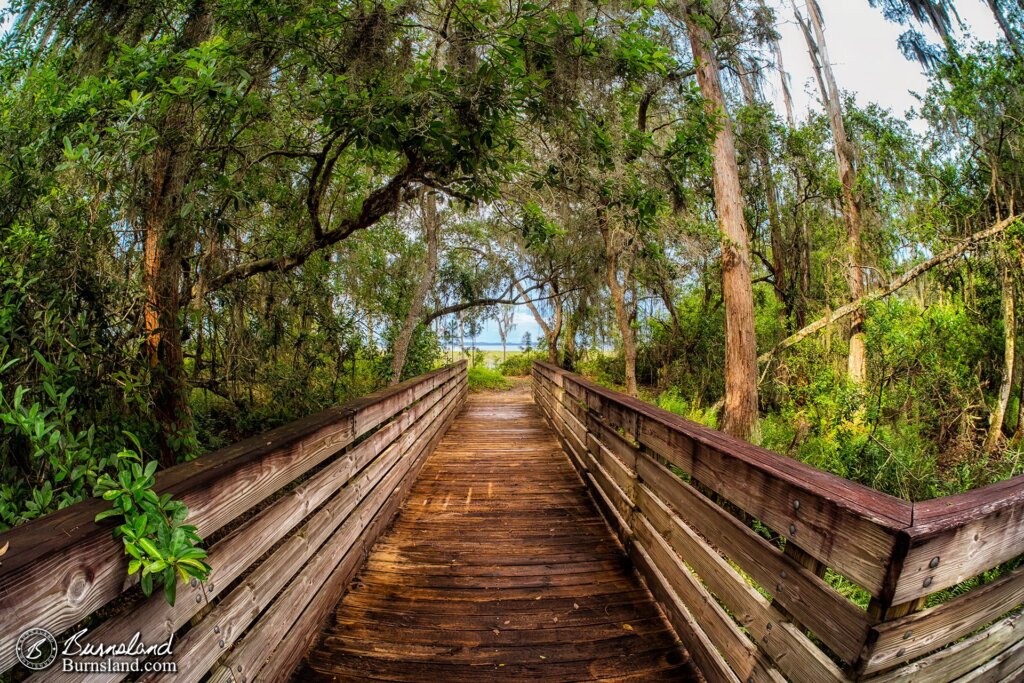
498, 566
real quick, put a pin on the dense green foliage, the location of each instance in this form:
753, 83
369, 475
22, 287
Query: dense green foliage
482, 378
216, 217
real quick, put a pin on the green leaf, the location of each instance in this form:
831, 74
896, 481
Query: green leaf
106, 513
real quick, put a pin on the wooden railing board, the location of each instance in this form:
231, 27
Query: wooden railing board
742, 655
848, 526
857, 547
76, 564
938, 626
606, 482
342, 556
708, 659
232, 555
1008, 665
829, 615
248, 656
910, 550
790, 649
874, 505
291, 649
617, 444
308, 555
980, 528
961, 658
841, 624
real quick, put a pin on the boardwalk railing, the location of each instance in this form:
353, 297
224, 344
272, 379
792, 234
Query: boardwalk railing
290, 516
734, 542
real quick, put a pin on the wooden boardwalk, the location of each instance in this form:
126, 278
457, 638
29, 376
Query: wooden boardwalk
498, 566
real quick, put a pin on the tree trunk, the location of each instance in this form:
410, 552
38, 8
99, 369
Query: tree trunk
163, 251
570, 353
1011, 37
995, 425
552, 331
556, 325
1018, 433
740, 417
816, 46
618, 293
787, 95
780, 272
428, 208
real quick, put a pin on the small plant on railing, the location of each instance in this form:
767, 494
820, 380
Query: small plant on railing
154, 533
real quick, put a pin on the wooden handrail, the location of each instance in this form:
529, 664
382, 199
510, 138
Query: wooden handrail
685, 500
63, 567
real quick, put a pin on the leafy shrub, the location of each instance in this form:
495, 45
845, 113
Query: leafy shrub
518, 364
673, 402
482, 378
154, 533
607, 370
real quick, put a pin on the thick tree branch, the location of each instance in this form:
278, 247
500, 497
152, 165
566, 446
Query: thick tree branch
485, 301
377, 204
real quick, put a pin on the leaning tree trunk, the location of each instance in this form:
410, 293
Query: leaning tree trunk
740, 417
763, 172
163, 251
552, 331
428, 207
995, 425
1004, 25
857, 359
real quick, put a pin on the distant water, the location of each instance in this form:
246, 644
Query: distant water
489, 345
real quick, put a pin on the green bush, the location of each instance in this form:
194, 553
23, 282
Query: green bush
481, 379
606, 370
673, 402
518, 364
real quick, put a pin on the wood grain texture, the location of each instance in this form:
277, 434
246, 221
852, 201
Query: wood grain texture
845, 525
155, 620
916, 634
962, 536
793, 653
61, 568
495, 565
290, 625
965, 657
833, 618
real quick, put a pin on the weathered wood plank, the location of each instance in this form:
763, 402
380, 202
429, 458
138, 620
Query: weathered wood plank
736, 648
459, 600
848, 526
322, 542
904, 639
710, 662
155, 620
962, 536
795, 655
62, 567
1008, 665
276, 626
833, 618
961, 658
